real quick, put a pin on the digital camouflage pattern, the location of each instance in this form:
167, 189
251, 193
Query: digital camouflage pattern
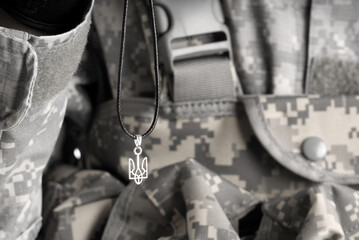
270, 44
187, 201
295, 47
224, 144
293, 119
77, 202
182, 201
108, 20
333, 52
220, 168
34, 74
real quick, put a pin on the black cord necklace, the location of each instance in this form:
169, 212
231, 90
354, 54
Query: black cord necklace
137, 171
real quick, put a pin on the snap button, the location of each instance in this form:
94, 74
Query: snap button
314, 149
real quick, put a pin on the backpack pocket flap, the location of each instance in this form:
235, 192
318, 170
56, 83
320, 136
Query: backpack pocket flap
284, 123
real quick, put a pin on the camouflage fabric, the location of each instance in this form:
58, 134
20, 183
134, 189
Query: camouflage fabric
294, 47
253, 143
87, 87
183, 201
108, 20
270, 44
221, 139
323, 211
326, 170
219, 168
78, 202
293, 119
187, 201
34, 72
333, 52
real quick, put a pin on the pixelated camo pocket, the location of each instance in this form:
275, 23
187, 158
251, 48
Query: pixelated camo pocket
283, 124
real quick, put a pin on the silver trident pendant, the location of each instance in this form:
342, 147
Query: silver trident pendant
136, 171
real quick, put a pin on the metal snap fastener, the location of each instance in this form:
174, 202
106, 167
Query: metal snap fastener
314, 149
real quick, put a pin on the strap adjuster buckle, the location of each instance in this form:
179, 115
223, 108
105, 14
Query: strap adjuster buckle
190, 29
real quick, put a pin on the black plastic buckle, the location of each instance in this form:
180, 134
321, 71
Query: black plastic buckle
181, 21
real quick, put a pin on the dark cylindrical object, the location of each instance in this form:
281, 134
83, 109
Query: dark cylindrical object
52, 16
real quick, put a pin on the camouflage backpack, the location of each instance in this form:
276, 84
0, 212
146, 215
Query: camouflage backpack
257, 136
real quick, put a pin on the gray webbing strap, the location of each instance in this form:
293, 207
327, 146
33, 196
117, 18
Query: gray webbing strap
208, 76
202, 79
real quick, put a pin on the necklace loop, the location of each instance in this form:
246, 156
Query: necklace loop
156, 70
138, 140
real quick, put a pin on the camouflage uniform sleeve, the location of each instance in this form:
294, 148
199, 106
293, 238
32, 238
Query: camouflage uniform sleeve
34, 73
